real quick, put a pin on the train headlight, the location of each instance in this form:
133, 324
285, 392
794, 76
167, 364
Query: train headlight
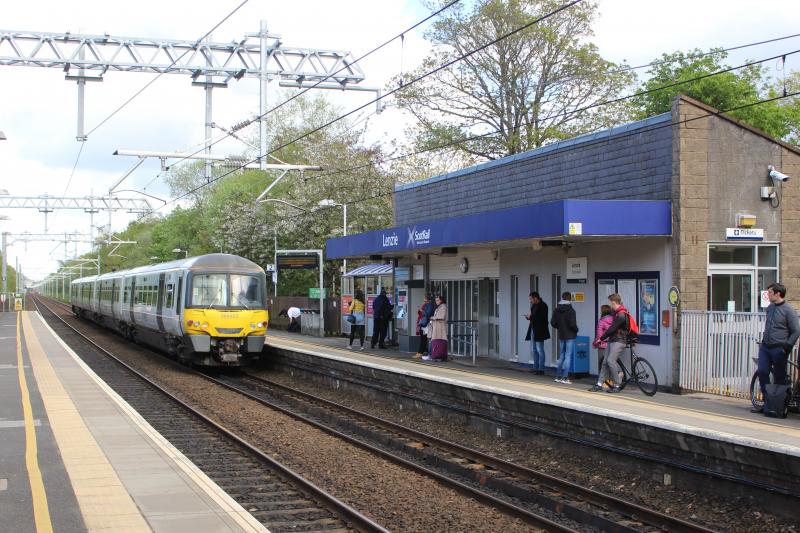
192, 324
260, 324
252, 326
204, 325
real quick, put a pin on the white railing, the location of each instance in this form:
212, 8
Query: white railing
719, 351
463, 335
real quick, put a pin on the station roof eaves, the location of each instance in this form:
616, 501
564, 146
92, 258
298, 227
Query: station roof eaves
550, 148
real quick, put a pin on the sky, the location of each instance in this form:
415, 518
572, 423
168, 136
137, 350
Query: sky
38, 113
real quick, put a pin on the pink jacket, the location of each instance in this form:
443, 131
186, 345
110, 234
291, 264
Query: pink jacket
602, 325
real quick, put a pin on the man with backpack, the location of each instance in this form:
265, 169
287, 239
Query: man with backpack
781, 331
623, 329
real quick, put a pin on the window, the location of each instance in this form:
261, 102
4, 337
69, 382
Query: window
170, 295
209, 289
738, 273
640, 292
246, 291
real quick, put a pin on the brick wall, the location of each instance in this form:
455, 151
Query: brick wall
631, 162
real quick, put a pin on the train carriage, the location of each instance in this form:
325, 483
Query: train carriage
209, 310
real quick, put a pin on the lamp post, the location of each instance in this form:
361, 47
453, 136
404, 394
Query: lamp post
330, 203
179, 250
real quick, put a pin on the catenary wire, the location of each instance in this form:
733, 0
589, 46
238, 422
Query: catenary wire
359, 108
596, 104
74, 167
567, 113
252, 120
639, 131
148, 84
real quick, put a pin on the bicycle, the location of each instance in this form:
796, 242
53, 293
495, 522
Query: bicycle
794, 388
644, 375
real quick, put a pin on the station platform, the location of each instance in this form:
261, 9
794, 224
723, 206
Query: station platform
705, 433
74, 456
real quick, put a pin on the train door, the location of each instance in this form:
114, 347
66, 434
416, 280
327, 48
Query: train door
160, 297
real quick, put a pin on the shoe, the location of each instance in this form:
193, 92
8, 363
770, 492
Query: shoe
426, 358
613, 389
381, 346
757, 410
416, 356
558, 380
349, 346
361, 349
596, 388
566, 381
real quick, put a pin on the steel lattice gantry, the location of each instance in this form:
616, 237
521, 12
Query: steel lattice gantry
87, 203
101, 53
210, 64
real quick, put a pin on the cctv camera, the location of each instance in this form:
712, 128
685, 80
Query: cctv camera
777, 176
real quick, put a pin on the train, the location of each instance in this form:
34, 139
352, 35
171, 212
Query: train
208, 310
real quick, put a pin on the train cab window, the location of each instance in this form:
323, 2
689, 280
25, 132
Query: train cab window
209, 289
246, 291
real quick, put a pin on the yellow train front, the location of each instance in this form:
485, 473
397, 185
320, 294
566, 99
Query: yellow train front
208, 310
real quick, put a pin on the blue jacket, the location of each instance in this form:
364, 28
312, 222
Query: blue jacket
427, 313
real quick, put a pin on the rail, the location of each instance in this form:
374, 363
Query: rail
719, 351
463, 335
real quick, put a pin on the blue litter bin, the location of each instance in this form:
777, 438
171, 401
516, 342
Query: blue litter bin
580, 356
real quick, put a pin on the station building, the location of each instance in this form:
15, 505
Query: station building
681, 200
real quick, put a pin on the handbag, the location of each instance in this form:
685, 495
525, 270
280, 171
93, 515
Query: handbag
351, 318
428, 330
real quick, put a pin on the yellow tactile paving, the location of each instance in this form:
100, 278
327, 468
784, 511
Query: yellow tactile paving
104, 502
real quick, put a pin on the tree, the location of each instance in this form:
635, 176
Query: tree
522, 92
723, 91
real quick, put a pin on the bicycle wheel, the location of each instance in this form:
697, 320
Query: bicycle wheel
755, 393
645, 376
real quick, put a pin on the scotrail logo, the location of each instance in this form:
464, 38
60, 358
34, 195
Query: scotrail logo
391, 241
417, 238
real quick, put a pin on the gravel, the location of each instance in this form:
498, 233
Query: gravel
718, 513
392, 496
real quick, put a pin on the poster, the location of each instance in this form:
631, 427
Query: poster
627, 289
648, 307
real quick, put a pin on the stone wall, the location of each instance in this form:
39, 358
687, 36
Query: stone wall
790, 222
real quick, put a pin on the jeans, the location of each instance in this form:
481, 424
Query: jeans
537, 355
771, 359
564, 357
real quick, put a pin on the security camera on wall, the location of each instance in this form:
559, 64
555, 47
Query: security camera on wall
777, 176
417, 257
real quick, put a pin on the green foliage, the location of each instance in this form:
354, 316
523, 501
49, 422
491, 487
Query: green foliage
223, 217
526, 90
723, 91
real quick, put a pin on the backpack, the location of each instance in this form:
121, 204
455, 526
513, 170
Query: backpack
776, 401
633, 328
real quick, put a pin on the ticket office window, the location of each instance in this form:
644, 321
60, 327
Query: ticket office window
738, 273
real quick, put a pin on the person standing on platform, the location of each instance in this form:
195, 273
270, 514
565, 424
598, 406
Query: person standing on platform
381, 313
439, 334
358, 310
617, 337
781, 331
566, 322
606, 318
538, 331
424, 317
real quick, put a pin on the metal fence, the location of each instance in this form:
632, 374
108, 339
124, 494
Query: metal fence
719, 351
463, 335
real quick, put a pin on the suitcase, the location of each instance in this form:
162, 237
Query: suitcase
776, 401
439, 349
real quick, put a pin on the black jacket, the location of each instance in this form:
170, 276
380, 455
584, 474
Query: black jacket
565, 321
538, 323
619, 329
381, 308
781, 328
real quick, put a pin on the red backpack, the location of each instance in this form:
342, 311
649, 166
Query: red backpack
633, 327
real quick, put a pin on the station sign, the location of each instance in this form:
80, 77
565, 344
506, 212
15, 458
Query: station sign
313, 293
298, 262
744, 234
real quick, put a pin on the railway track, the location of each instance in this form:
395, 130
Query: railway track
275, 495
540, 499
471, 471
